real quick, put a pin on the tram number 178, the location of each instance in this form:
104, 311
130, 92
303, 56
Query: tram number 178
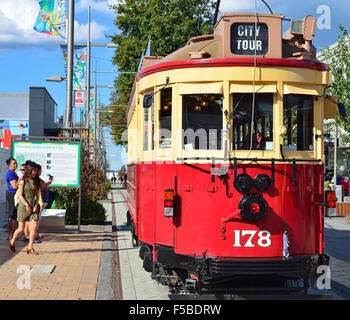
263, 238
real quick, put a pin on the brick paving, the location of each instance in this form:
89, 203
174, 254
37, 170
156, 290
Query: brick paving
76, 257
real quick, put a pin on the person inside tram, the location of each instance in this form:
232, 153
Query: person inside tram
257, 141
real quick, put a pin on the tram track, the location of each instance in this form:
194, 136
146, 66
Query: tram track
117, 284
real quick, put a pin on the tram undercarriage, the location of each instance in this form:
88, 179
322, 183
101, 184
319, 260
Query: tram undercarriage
203, 275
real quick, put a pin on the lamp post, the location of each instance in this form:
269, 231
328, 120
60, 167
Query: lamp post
88, 85
70, 43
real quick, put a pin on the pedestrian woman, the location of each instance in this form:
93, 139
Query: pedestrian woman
44, 197
12, 183
28, 208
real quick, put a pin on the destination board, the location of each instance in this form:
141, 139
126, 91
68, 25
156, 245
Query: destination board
244, 41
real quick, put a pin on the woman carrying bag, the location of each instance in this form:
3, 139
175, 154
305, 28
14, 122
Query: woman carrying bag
28, 207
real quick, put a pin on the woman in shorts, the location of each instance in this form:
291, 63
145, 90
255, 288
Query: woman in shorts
28, 208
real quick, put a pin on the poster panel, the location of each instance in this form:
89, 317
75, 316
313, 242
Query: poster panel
60, 160
79, 99
79, 65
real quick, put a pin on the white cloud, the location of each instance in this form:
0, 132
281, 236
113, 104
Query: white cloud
97, 31
17, 19
101, 6
229, 6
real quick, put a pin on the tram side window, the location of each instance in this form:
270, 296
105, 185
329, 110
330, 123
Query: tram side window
202, 121
262, 133
165, 118
146, 126
298, 119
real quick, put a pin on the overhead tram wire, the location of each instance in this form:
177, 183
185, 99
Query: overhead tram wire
253, 100
267, 6
216, 12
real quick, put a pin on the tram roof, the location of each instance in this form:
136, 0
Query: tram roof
294, 44
292, 49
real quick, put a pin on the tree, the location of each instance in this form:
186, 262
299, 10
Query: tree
169, 24
338, 60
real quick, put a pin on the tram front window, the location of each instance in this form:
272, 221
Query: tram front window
298, 119
261, 137
202, 121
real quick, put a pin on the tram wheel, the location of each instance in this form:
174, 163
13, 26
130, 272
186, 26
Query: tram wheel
142, 251
148, 260
128, 219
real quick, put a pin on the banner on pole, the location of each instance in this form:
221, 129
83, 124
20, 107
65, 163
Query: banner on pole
79, 65
52, 18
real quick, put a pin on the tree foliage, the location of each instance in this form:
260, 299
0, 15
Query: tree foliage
169, 24
338, 60
94, 188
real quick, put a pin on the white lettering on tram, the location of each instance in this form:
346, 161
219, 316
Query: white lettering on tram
263, 238
248, 31
249, 44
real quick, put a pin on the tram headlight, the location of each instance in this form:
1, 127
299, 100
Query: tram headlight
243, 182
262, 182
253, 207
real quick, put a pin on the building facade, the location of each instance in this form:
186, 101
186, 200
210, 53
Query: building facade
31, 114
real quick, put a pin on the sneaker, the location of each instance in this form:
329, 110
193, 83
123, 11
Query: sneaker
37, 241
26, 239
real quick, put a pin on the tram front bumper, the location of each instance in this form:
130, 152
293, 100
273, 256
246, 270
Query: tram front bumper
297, 266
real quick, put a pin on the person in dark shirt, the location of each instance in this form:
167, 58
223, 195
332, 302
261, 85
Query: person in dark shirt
12, 185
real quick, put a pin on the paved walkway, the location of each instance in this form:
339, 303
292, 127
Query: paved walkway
76, 258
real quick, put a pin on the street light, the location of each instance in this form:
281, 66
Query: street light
56, 79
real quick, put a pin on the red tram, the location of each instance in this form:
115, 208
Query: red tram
225, 156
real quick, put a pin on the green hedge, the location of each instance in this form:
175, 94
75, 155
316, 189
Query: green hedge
92, 212
94, 188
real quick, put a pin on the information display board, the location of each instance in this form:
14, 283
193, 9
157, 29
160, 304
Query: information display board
60, 160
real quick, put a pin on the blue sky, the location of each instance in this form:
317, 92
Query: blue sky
27, 57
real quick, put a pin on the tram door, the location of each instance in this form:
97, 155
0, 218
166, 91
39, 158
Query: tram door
165, 170
146, 176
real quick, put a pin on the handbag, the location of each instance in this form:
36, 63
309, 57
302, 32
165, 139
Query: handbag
17, 199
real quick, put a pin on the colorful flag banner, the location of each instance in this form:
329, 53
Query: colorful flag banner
79, 66
92, 114
52, 18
